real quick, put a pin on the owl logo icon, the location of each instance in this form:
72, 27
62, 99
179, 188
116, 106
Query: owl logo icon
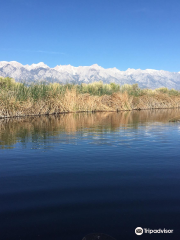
138, 231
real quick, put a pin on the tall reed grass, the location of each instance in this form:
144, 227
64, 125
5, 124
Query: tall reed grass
23, 92
17, 99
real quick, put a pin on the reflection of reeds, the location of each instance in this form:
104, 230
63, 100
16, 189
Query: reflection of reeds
17, 99
41, 127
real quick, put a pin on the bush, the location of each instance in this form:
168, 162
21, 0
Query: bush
7, 83
98, 88
162, 90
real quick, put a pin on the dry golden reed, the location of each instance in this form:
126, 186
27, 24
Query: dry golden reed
17, 99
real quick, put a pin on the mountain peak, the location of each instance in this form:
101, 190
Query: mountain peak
96, 66
36, 65
12, 63
41, 64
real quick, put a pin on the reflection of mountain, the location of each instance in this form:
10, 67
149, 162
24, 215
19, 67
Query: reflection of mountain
67, 126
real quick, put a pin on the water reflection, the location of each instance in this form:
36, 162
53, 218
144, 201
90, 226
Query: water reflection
70, 175
39, 130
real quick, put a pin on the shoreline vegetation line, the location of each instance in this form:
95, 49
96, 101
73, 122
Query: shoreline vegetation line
20, 99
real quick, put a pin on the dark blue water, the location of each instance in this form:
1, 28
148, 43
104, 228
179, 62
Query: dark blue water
62, 177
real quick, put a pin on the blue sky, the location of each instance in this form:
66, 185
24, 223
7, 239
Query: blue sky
112, 33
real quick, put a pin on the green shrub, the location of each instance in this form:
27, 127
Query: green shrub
22, 92
7, 83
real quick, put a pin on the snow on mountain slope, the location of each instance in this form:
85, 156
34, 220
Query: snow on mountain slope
148, 78
35, 66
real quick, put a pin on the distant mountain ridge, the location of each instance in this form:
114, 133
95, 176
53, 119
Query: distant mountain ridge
148, 78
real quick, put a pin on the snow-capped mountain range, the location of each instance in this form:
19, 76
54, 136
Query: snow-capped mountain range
148, 78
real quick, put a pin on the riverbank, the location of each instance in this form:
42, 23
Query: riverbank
17, 99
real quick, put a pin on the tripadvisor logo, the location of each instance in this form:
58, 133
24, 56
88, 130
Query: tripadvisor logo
139, 230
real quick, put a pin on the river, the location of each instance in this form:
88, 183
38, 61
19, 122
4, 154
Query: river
65, 176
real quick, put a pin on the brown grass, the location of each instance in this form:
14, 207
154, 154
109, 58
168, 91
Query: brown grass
19, 100
74, 102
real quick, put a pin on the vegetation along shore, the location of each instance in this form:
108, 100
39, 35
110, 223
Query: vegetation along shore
19, 99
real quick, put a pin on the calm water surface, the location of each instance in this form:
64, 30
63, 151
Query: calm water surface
62, 177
